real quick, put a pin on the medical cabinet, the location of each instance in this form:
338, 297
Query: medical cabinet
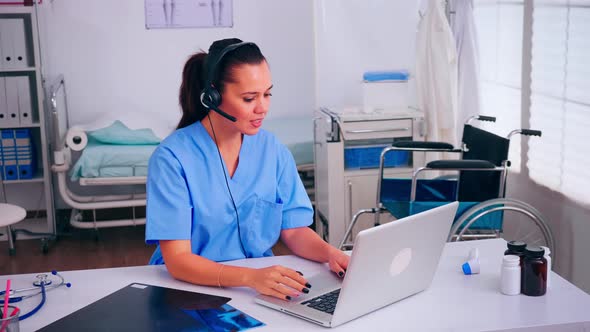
347, 147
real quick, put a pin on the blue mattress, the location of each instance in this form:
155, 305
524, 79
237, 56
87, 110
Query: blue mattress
296, 134
115, 151
109, 160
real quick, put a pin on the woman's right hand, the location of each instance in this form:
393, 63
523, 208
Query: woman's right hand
277, 281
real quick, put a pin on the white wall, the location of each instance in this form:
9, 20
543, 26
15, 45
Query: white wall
318, 50
354, 36
116, 69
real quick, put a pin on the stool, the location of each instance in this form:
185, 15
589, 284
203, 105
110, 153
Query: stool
11, 214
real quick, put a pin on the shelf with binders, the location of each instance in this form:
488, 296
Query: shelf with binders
22, 123
19, 107
24, 178
17, 41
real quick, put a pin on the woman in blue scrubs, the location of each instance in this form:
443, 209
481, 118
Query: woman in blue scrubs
221, 188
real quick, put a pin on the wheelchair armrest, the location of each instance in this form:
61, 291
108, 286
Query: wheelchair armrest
418, 145
461, 164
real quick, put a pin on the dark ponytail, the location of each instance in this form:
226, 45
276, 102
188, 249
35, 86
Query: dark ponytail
190, 90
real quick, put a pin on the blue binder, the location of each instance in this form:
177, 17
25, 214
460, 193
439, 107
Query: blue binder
24, 153
17, 157
8, 155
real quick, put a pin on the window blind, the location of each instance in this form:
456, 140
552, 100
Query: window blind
499, 31
560, 99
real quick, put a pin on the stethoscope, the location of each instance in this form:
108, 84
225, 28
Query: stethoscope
42, 284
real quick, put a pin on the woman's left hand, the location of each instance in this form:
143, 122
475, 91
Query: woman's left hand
338, 261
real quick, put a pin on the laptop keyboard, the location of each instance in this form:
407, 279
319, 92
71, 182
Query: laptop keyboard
325, 302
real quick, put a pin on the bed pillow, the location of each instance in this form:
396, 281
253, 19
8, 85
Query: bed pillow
119, 134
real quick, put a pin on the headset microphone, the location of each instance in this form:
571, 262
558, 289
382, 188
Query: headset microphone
216, 109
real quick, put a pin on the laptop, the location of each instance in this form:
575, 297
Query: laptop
389, 263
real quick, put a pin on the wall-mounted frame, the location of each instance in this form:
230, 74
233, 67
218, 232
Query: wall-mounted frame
19, 3
162, 14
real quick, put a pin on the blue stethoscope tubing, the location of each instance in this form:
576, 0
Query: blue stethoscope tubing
41, 284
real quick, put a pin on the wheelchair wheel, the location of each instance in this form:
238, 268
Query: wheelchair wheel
529, 226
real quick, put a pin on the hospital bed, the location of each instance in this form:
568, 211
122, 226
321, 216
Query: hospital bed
121, 168
96, 167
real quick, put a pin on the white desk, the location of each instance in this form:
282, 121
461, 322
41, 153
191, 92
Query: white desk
453, 302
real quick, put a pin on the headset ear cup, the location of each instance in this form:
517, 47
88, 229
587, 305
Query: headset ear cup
205, 100
210, 97
214, 97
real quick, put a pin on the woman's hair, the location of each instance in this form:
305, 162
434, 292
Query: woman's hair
196, 70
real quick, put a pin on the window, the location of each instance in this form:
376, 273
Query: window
499, 31
559, 73
560, 99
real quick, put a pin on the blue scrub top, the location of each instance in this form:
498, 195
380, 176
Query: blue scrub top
188, 199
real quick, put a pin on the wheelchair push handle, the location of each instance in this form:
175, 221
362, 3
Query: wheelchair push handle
527, 132
486, 118
480, 118
531, 132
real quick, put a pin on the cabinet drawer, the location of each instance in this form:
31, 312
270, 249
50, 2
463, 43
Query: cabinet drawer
377, 129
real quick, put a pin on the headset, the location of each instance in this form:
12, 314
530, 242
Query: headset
210, 96
211, 99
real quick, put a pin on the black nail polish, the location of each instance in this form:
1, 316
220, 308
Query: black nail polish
305, 290
341, 274
288, 297
307, 285
301, 274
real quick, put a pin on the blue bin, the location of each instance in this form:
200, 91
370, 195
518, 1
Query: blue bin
368, 157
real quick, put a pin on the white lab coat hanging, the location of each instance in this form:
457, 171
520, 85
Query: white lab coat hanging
465, 33
436, 75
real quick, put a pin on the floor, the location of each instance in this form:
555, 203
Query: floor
82, 249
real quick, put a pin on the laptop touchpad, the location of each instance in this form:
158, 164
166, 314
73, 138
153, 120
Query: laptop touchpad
324, 282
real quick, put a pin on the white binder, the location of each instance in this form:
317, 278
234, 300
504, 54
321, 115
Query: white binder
6, 44
3, 102
13, 43
19, 43
24, 100
3, 45
12, 119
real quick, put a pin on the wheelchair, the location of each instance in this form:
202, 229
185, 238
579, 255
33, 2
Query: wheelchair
480, 189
